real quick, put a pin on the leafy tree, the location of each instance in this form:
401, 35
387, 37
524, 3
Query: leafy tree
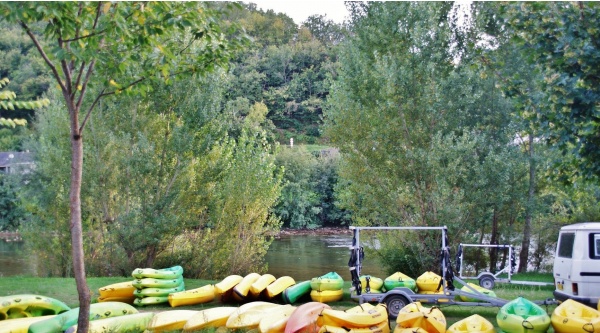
561, 38
326, 31
299, 204
426, 140
120, 47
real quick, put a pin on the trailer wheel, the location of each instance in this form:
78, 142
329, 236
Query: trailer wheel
395, 303
487, 282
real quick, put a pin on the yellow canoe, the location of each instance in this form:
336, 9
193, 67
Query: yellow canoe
278, 286
248, 316
472, 324
375, 283
200, 295
382, 327
327, 296
573, 317
261, 284
213, 317
428, 281
414, 314
168, 321
276, 320
120, 289
20, 325
136, 322
241, 290
224, 289
360, 316
480, 289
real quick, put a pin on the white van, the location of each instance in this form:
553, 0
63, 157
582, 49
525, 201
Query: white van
577, 263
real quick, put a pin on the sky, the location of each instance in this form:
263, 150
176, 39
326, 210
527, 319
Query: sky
300, 10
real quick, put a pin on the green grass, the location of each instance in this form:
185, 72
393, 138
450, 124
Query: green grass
65, 289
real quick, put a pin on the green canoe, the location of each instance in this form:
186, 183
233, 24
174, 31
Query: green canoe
295, 292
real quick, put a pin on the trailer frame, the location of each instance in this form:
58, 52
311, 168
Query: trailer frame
488, 279
399, 297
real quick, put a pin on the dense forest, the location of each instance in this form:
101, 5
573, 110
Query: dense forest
482, 118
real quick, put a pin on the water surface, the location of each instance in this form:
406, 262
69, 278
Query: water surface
299, 256
306, 256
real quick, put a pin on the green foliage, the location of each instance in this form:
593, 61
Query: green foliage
12, 212
561, 40
164, 185
8, 101
425, 142
299, 203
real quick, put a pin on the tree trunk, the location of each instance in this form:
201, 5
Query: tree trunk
524, 255
76, 228
494, 240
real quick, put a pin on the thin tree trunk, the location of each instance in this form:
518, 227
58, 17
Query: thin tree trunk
76, 230
524, 255
494, 240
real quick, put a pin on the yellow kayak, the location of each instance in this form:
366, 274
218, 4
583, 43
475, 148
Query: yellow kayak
261, 284
200, 295
327, 296
472, 324
363, 315
213, 317
241, 290
428, 281
278, 286
414, 314
573, 317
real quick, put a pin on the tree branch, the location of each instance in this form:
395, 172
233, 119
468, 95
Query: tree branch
85, 82
78, 80
43, 54
90, 109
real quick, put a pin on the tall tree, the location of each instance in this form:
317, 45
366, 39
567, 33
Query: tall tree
562, 39
119, 47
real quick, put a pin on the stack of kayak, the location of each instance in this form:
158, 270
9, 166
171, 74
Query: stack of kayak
153, 286
327, 288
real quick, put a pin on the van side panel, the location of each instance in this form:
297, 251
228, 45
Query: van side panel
577, 263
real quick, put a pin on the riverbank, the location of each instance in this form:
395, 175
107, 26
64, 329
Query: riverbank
318, 231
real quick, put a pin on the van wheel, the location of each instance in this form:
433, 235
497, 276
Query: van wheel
487, 282
395, 303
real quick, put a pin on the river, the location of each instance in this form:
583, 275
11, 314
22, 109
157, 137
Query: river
299, 256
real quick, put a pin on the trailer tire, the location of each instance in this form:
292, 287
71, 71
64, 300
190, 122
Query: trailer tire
487, 282
395, 303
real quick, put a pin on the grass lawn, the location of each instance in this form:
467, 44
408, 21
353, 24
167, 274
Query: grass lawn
64, 289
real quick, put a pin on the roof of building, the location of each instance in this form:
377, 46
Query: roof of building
12, 158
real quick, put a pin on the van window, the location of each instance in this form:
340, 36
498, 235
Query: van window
594, 246
565, 245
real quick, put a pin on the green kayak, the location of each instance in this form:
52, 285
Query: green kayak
295, 292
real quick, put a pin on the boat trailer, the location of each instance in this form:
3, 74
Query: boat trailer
488, 280
399, 297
